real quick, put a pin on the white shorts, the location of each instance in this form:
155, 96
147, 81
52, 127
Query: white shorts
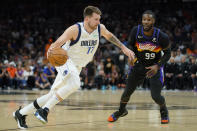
69, 69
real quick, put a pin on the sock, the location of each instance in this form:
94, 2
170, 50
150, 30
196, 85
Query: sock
163, 107
37, 103
27, 109
122, 106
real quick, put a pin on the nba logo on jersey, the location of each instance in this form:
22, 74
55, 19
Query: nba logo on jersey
65, 72
154, 39
140, 37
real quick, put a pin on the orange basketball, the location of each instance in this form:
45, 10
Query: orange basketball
57, 57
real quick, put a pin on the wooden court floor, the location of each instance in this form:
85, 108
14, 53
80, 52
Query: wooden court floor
88, 111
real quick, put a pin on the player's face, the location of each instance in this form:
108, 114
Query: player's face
147, 22
94, 21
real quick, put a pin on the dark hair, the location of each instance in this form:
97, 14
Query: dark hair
150, 13
89, 10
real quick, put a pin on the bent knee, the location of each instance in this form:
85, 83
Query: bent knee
75, 81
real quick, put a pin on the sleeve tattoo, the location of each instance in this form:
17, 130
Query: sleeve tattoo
115, 41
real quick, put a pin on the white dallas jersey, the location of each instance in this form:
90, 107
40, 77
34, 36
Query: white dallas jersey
82, 50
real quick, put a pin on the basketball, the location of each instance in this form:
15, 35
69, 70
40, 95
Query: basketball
57, 57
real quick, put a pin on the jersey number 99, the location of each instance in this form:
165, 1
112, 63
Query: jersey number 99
149, 56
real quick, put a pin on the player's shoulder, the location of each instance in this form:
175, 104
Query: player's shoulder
135, 28
102, 26
162, 34
133, 31
163, 39
73, 29
74, 26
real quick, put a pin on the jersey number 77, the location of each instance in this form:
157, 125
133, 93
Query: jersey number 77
90, 49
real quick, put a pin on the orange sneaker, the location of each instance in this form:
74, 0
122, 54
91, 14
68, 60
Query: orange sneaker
114, 117
164, 116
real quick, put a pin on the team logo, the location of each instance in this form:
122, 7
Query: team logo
65, 72
147, 47
140, 37
88, 42
154, 39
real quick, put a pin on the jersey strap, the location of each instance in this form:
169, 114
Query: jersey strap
79, 34
99, 30
158, 30
138, 29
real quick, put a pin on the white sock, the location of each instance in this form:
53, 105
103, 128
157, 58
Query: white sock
27, 109
41, 101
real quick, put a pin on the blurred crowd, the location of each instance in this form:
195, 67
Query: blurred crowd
27, 29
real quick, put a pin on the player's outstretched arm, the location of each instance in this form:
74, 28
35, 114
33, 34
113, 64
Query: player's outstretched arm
69, 34
113, 39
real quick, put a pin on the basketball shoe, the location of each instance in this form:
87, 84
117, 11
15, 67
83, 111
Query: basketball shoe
114, 117
42, 114
164, 116
20, 119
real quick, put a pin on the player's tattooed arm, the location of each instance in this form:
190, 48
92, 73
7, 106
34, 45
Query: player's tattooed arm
110, 37
113, 39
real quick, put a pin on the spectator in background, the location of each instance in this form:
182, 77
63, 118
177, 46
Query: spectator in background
42, 82
108, 66
120, 61
100, 80
173, 54
178, 56
194, 40
12, 74
114, 78
20, 79
108, 69
194, 72
3, 76
89, 81
83, 76
49, 70
183, 79
177, 35
29, 77
171, 68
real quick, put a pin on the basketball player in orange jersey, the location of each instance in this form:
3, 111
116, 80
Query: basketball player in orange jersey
81, 42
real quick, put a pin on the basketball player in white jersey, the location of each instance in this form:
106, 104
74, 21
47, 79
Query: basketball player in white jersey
81, 42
